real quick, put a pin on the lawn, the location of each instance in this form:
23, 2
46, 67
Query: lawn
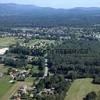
3, 68
80, 88
29, 81
6, 41
34, 68
4, 81
4, 85
12, 90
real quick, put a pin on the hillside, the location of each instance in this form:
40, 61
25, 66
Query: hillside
30, 15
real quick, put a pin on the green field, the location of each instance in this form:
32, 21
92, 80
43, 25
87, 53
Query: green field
4, 85
4, 81
6, 41
3, 68
80, 88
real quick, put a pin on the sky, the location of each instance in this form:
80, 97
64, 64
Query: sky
57, 3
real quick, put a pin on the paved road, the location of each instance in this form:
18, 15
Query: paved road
45, 72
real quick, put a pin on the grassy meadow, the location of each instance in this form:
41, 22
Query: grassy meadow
6, 41
80, 88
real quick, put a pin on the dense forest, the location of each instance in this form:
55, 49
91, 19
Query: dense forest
76, 59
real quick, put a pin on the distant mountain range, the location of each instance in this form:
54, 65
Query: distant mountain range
30, 15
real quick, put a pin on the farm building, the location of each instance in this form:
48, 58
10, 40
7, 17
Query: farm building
3, 51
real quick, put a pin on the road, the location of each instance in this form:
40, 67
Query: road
46, 72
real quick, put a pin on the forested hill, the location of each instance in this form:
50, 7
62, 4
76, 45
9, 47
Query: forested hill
30, 15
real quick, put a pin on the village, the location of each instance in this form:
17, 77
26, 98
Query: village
23, 77
24, 71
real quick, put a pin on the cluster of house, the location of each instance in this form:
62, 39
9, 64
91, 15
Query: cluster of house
21, 91
18, 75
47, 91
38, 45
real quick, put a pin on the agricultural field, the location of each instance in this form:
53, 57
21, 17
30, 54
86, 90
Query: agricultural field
5, 86
80, 88
6, 41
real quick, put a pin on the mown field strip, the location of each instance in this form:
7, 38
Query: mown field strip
80, 88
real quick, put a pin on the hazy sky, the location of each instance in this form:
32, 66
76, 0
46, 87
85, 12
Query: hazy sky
57, 3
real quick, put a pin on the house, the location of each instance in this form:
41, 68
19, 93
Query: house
23, 89
47, 91
19, 75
